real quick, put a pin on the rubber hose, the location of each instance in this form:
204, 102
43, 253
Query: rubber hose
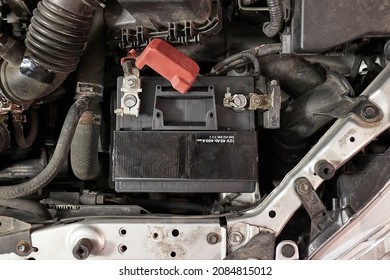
58, 158
242, 55
275, 24
55, 41
4, 137
28, 206
58, 32
295, 74
21, 140
84, 149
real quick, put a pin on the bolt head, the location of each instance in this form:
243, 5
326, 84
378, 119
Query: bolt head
23, 247
370, 112
235, 238
239, 101
212, 238
304, 187
132, 83
288, 251
130, 101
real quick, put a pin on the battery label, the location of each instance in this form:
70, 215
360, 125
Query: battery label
215, 139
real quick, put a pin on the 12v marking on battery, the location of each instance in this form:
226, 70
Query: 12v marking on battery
215, 139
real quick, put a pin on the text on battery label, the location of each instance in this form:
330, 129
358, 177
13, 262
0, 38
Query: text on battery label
216, 139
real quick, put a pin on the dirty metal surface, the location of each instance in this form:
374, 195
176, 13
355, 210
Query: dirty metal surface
131, 239
341, 142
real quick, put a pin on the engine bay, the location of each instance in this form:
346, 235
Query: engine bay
146, 129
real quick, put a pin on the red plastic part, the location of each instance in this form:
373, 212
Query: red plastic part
170, 63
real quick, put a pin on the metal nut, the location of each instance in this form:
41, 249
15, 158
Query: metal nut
132, 83
82, 249
324, 169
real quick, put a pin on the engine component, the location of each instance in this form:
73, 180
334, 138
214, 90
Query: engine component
260, 247
196, 164
269, 103
307, 115
273, 27
373, 170
90, 75
17, 121
177, 22
46, 44
18, 242
4, 136
295, 74
163, 161
84, 147
170, 63
236, 101
28, 206
130, 87
184, 161
11, 50
343, 140
320, 218
170, 11
314, 33
222, 66
195, 111
271, 117
61, 152
55, 42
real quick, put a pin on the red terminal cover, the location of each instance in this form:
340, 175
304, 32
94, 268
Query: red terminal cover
169, 62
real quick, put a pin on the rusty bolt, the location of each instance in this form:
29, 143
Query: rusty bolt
212, 238
235, 238
370, 112
22, 247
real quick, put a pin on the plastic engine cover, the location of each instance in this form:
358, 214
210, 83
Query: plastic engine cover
318, 25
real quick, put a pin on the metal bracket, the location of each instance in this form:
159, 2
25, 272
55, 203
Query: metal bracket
314, 206
269, 103
131, 87
271, 117
260, 247
14, 236
340, 143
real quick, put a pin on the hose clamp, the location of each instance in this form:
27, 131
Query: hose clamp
90, 90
